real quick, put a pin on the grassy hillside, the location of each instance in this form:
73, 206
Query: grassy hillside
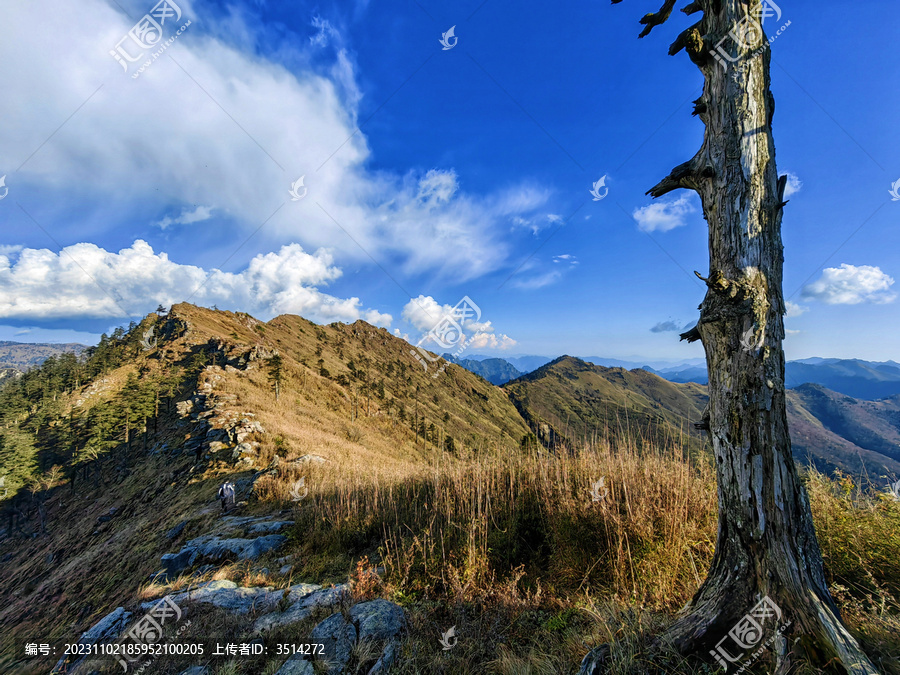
107, 435
512, 545
580, 401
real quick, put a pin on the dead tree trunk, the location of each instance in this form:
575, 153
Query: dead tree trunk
766, 545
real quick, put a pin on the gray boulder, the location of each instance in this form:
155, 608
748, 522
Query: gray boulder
296, 665
218, 550
213, 549
339, 637
175, 563
302, 606
108, 628
226, 595
268, 528
378, 619
241, 600
386, 660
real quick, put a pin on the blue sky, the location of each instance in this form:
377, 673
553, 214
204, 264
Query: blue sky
430, 174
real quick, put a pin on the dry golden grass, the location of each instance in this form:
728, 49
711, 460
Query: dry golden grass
523, 552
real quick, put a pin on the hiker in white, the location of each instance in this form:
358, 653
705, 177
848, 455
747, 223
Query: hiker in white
226, 494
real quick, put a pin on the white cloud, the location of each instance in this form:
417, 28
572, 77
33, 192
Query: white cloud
187, 217
490, 341
536, 223
664, 216
532, 275
234, 144
84, 280
537, 280
326, 32
851, 285
424, 313
793, 185
437, 187
794, 309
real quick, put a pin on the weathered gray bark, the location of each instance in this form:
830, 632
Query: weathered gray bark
766, 543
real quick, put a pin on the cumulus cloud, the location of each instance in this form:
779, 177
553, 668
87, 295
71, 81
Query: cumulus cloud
234, 144
794, 309
84, 280
424, 312
793, 185
187, 217
851, 285
491, 341
427, 314
664, 216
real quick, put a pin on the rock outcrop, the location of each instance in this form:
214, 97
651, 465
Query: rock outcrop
241, 600
222, 545
108, 628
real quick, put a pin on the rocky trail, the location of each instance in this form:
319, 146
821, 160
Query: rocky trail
376, 623
217, 433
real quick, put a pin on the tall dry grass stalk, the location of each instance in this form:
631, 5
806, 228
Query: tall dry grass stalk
646, 533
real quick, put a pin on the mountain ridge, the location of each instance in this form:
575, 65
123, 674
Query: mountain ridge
24, 355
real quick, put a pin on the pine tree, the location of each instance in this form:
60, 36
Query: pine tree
275, 366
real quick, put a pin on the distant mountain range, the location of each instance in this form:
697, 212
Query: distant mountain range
866, 380
843, 413
21, 356
573, 401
